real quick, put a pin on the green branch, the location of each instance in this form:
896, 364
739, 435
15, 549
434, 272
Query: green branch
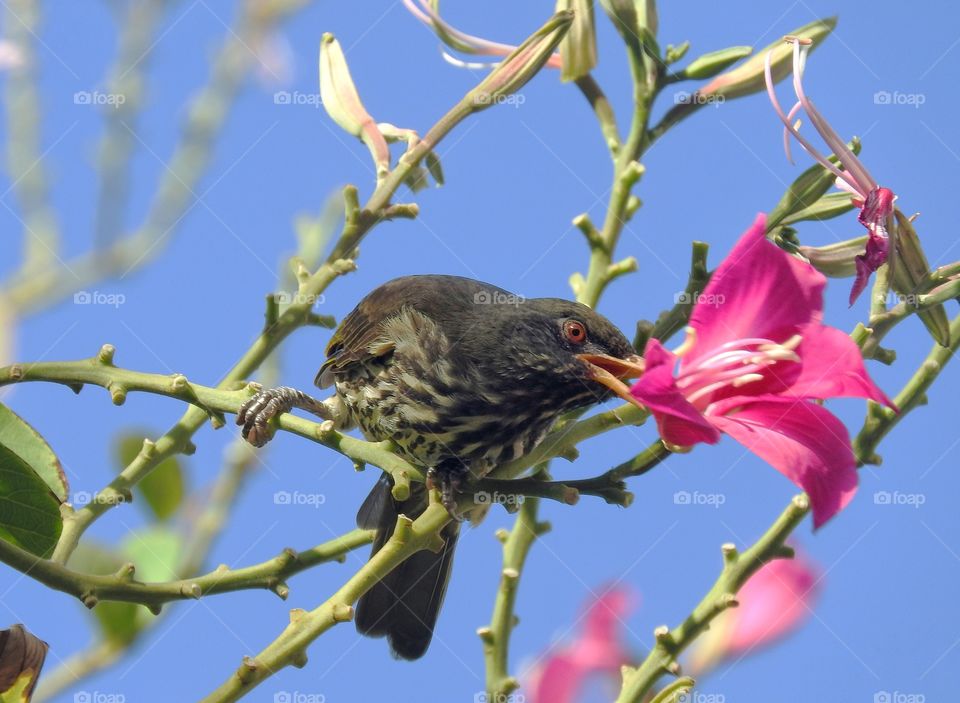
737, 569
496, 636
290, 648
123, 586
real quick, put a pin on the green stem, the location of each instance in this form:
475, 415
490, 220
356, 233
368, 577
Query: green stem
496, 636
122, 586
737, 569
290, 648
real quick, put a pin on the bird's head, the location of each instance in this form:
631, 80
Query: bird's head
556, 351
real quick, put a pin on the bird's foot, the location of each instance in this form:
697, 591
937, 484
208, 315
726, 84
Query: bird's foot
256, 413
448, 478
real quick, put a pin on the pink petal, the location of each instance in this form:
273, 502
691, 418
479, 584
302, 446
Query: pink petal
597, 650
802, 440
775, 601
832, 367
678, 421
758, 290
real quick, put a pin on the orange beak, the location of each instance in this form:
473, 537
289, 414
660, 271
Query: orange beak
611, 371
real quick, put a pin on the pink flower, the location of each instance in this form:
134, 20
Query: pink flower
462, 42
773, 603
875, 202
598, 650
755, 357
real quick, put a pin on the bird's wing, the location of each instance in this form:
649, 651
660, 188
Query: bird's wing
353, 340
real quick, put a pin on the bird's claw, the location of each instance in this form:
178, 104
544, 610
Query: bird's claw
256, 413
448, 481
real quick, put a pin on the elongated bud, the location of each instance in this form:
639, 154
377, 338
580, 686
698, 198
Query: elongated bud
829, 206
647, 17
835, 260
709, 65
747, 78
808, 188
578, 50
342, 102
911, 272
522, 64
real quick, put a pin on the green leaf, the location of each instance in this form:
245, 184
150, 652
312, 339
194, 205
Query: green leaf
29, 511
118, 621
21, 658
163, 488
26, 442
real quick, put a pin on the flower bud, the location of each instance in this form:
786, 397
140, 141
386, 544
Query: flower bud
808, 188
342, 102
709, 65
910, 274
647, 17
578, 50
522, 64
748, 78
830, 205
835, 260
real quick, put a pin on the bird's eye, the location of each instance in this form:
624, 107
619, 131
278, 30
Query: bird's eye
575, 332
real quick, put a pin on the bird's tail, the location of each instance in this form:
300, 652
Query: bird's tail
403, 606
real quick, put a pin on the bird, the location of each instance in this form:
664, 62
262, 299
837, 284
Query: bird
461, 376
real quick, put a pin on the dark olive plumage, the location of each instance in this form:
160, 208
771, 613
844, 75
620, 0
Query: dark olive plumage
461, 376
458, 373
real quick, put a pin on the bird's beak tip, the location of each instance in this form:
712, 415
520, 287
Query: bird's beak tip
611, 372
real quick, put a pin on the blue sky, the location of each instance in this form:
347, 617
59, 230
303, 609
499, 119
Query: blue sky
887, 620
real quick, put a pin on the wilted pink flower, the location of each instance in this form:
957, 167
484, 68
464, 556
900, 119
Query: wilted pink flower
598, 650
773, 603
462, 42
755, 358
875, 202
